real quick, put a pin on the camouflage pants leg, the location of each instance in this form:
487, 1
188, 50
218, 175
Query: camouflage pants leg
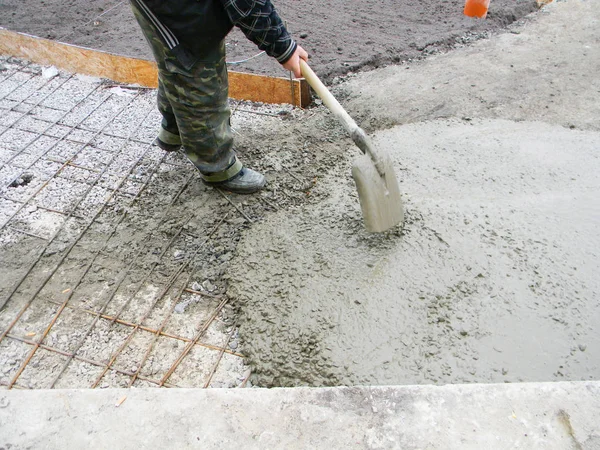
169, 131
194, 105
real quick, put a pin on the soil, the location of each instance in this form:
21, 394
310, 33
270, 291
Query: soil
340, 36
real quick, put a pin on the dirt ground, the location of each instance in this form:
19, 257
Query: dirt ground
340, 36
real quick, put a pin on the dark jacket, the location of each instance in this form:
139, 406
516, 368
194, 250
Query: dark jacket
200, 25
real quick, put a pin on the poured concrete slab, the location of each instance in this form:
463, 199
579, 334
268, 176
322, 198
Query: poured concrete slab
494, 276
492, 279
540, 415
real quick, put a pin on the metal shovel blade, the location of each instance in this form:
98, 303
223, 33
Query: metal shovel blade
379, 195
373, 172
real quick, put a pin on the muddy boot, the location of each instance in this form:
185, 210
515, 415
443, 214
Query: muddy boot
237, 179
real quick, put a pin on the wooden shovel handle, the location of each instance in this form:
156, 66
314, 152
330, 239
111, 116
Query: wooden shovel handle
356, 133
328, 98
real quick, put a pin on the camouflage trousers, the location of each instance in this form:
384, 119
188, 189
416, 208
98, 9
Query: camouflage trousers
193, 101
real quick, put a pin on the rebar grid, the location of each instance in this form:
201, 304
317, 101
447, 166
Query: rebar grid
65, 164
69, 160
63, 138
78, 358
164, 291
64, 223
125, 274
100, 315
213, 371
126, 323
30, 301
117, 285
193, 342
19, 67
17, 71
33, 105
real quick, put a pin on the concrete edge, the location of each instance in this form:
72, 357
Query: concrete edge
522, 415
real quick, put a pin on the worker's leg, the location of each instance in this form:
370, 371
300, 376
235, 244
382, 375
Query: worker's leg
198, 99
168, 136
194, 105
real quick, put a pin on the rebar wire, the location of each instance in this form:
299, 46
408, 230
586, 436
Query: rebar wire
36, 92
146, 328
124, 274
64, 305
91, 21
162, 294
191, 344
78, 358
70, 214
16, 70
127, 272
242, 61
220, 357
49, 127
63, 258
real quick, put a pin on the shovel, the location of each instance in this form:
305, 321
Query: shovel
373, 173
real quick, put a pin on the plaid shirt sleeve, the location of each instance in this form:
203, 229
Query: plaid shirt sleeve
259, 21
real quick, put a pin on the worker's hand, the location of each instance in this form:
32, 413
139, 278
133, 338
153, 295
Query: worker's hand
293, 64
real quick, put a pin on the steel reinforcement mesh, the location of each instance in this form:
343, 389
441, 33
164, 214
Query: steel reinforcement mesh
97, 243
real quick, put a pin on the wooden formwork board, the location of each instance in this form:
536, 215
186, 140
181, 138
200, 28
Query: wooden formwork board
242, 86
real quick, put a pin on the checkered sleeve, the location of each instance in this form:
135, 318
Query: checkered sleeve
259, 21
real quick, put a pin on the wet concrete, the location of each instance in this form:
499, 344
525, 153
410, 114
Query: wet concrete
493, 277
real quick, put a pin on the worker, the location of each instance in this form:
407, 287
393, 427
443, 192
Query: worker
187, 38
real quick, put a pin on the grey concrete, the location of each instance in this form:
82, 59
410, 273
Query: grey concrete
500, 416
495, 275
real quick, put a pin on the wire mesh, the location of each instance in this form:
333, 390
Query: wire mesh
100, 212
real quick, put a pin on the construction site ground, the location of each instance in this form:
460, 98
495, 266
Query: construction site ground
341, 36
119, 268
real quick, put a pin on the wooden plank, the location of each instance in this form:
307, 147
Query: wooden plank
258, 88
78, 59
75, 59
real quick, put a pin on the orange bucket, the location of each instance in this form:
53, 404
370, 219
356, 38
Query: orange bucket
476, 8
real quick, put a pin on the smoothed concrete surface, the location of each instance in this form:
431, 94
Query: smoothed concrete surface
507, 416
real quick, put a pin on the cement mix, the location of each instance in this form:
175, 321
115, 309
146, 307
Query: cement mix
493, 277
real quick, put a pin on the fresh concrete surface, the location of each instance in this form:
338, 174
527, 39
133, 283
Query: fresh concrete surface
494, 277
496, 416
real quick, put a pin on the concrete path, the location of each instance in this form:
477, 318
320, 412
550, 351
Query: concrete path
504, 416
